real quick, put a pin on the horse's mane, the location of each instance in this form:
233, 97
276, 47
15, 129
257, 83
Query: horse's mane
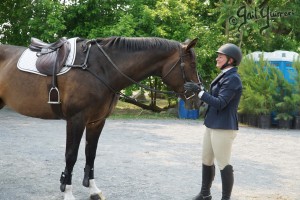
139, 43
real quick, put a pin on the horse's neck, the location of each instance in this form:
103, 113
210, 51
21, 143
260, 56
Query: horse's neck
139, 66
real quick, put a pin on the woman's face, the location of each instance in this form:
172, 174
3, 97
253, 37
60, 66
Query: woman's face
221, 60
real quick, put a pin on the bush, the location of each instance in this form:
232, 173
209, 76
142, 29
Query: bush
288, 101
266, 90
296, 88
260, 81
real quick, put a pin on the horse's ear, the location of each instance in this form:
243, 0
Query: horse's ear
191, 44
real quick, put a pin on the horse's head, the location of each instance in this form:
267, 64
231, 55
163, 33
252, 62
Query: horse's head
184, 70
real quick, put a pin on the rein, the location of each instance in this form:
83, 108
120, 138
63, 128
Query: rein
130, 79
84, 66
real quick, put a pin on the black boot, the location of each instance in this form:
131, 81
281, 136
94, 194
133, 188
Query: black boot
227, 182
208, 175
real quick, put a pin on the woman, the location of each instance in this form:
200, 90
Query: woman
221, 121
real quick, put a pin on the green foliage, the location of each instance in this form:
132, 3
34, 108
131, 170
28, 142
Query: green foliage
296, 87
47, 22
285, 105
285, 108
14, 17
261, 81
90, 19
266, 90
125, 27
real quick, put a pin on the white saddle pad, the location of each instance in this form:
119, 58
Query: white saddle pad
28, 58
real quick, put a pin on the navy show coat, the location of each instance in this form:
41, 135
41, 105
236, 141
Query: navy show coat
223, 101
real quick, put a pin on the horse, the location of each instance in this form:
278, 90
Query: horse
91, 88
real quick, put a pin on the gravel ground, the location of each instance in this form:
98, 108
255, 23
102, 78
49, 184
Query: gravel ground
144, 159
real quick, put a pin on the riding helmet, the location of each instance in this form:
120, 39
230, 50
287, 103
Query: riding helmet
232, 51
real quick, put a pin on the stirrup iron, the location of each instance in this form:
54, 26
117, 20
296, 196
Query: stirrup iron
54, 96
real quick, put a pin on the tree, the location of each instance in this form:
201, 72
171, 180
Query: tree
47, 20
14, 17
90, 19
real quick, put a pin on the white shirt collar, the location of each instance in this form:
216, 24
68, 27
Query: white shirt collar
227, 69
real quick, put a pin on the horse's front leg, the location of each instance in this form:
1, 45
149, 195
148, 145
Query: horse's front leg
75, 128
93, 131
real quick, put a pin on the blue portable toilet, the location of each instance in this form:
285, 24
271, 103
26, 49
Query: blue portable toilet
183, 113
282, 60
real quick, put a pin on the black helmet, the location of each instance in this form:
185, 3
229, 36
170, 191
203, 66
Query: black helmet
232, 51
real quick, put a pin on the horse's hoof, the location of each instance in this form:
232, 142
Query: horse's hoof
98, 196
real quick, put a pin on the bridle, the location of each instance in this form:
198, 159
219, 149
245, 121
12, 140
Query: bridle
182, 65
84, 66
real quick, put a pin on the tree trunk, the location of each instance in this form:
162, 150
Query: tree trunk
144, 106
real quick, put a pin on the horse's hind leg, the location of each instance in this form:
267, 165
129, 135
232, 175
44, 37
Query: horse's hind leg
93, 131
75, 128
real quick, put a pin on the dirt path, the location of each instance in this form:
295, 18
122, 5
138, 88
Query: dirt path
144, 159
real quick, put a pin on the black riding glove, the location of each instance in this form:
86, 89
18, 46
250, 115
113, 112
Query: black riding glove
193, 87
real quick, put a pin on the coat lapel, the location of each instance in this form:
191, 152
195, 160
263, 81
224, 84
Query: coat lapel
217, 78
233, 70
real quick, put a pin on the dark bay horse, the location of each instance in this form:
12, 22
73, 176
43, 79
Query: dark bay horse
89, 92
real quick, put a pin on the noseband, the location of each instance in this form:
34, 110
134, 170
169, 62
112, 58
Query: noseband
84, 66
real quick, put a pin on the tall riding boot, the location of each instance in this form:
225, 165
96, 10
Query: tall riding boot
208, 175
227, 182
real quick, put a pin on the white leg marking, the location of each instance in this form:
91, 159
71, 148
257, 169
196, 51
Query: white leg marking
68, 195
95, 190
